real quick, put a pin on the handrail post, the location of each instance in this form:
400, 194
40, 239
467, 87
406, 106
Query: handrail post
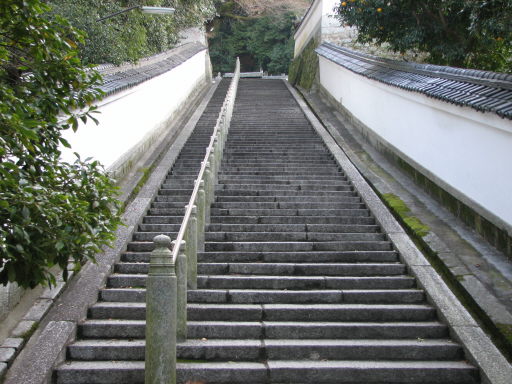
216, 153
201, 221
192, 250
161, 303
207, 189
213, 178
181, 310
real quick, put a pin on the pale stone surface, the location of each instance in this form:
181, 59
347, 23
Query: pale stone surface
38, 310
23, 328
12, 342
45, 354
494, 368
7, 354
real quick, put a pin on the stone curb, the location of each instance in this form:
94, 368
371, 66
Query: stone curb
71, 307
13, 345
493, 366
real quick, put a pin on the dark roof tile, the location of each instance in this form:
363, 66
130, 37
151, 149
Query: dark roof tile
481, 90
116, 81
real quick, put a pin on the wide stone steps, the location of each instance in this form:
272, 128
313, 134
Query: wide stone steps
297, 283
274, 312
283, 269
293, 349
279, 257
246, 330
278, 371
275, 296
119, 280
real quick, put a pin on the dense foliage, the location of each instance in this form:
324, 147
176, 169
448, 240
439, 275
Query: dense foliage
50, 212
132, 35
474, 34
261, 43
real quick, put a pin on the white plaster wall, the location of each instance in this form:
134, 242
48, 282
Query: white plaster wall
318, 20
468, 150
130, 117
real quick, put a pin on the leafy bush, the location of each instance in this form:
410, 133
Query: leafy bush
474, 34
132, 35
264, 42
50, 212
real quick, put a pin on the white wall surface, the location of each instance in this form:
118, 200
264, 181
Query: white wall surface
318, 20
309, 27
131, 117
469, 151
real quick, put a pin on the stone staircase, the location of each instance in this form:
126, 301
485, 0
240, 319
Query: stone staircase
297, 283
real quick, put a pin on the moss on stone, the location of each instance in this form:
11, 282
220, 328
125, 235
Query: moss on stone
304, 68
417, 226
402, 210
506, 330
27, 334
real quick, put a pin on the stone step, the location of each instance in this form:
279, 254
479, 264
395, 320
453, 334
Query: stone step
135, 329
279, 205
292, 236
350, 371
280, 257
282, 228
282, 269
163, 219
288, 199
283, 173
303, 282
275, 312
384, 296
328, 219
302, 269
252, 350
276, 282
285, 246
294, 228
279, 212
281, 192
284, 187
283, 179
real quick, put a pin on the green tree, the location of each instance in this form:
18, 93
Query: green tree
51, 212
132, 35
264, 42
474, 34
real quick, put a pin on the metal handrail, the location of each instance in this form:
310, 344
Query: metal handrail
230, 99
171, 272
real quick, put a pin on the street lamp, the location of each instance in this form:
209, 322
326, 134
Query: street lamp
144, 9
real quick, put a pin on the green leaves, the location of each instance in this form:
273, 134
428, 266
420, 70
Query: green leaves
47, 215
264, 42
129, 36
474, 34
